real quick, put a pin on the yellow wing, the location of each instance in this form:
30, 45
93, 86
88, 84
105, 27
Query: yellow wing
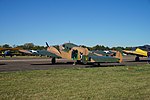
137, 52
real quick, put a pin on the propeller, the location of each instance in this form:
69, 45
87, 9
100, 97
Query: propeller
47, 44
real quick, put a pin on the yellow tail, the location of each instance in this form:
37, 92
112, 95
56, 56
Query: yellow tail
142, 52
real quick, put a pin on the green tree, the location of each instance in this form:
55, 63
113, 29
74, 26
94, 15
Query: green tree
128, 48
39, 47
100, 47
28, 46
118, 49
6, 46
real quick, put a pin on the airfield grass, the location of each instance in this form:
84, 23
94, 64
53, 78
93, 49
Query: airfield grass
102, 83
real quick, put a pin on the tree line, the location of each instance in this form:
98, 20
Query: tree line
26, 46
31, 46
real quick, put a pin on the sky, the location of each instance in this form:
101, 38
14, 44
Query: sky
83, 22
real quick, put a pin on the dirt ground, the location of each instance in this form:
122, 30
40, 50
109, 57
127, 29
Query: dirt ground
23, 64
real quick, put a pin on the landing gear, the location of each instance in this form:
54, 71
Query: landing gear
97, 64
79, 62
137, 58
53, 60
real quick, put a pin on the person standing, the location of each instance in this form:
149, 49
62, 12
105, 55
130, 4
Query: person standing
2, 54
81, 56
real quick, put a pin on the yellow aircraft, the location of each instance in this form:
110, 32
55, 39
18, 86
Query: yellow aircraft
138, 52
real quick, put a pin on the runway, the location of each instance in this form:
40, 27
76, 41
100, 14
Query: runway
24, 64
16, 64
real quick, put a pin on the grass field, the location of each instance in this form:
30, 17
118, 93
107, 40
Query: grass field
132, 83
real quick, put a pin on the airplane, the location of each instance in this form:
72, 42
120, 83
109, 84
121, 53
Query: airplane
138, 52
10, 51
33, 51
80, 54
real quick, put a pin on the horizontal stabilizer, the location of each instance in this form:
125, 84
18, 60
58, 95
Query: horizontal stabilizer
103, 59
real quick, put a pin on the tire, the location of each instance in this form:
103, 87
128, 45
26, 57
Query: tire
53, 60
137, 59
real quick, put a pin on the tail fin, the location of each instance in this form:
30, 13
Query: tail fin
47, 44
141, 52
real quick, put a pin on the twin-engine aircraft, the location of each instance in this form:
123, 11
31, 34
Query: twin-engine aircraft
77, 53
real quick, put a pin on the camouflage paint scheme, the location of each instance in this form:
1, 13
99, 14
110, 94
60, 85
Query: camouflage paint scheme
66, 50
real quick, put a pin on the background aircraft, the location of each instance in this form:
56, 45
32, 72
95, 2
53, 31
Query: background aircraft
13, 51
138, 51
77, 53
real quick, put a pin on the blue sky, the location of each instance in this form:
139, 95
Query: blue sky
86, 22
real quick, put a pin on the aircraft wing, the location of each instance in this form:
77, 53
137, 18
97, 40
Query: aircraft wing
137, 52
99, 53
45, 53
25, 51
100, 59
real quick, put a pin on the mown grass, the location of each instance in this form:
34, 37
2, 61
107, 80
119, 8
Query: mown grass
104, 83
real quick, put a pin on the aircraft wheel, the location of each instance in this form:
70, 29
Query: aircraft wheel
84, 63
78, 61
53, 60
137, 58
99, 64
96, 64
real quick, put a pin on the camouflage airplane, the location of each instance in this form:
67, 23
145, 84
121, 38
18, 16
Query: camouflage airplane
80, 54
